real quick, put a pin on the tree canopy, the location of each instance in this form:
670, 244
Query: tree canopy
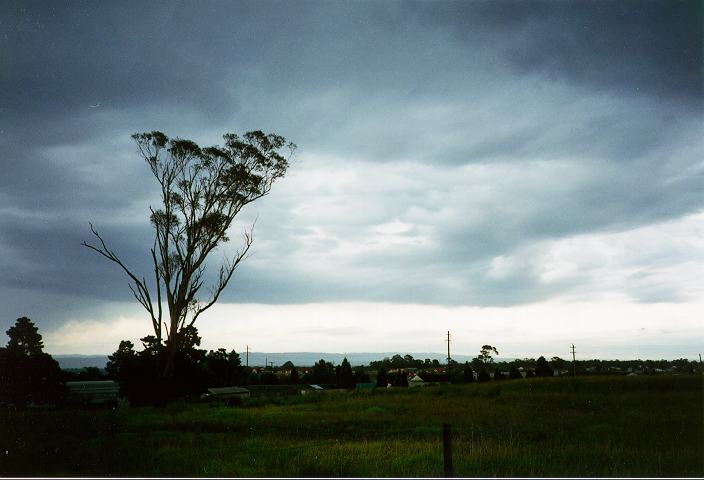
485, 354
25, 338
202, 190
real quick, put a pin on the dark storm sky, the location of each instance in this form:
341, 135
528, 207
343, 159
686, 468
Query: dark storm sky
450, 153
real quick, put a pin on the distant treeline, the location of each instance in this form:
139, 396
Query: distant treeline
681, 365
28, 375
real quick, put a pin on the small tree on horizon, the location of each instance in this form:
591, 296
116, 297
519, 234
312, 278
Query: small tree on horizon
345, 377
485, 354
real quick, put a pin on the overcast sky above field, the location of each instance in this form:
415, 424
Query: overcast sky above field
527, 174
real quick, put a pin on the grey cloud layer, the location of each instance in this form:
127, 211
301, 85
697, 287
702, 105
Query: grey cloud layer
485, 127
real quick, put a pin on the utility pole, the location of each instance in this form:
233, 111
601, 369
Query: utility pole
449, 359
247, 357
574, 363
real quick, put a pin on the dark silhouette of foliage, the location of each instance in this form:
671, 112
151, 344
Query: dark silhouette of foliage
398, 379
557, 364
483, 376
293, 376
268, 377
345, 376
224, 369
202, 191
89, 374
25, 338
514, 373
360, 376
468, 373
485, 354
405, 361
254, 378
140, 376
27, 374
382, 378
542, 369
433, 377
323, 373
123, 362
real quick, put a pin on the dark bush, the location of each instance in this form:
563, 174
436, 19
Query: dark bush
382, 378
542, 368
483, 376
398, 379
468, 373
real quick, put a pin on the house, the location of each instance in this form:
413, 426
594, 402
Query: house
416, 381
102, 392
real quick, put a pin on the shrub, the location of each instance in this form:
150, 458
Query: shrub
483, 376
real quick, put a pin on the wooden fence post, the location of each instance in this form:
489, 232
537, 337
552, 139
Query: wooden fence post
447, 449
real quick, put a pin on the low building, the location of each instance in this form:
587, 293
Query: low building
225, 393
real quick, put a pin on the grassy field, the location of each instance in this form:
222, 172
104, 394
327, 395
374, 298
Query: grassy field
591, 426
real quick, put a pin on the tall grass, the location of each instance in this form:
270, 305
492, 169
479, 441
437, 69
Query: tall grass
610, 426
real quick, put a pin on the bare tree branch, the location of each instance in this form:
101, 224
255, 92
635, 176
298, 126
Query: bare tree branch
142, 293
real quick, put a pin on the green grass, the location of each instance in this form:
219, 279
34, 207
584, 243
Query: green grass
591, 426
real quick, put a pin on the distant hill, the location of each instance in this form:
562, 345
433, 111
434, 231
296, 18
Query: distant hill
81, 361
300, 359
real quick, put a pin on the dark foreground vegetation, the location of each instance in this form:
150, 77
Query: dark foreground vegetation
584, 426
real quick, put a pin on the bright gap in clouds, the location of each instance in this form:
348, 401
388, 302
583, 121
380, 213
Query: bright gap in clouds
609, 328
643, 265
